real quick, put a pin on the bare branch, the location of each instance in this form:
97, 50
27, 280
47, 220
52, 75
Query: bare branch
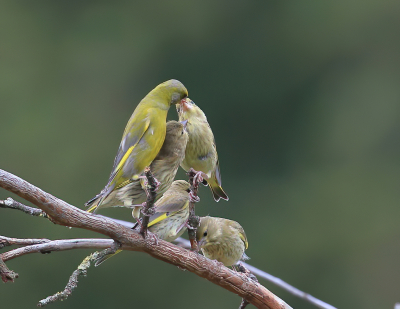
72, 282
58, 245
148, 209
193, 220
65, 214
184, 243
5, 273
7, 241
289, 288
10, 203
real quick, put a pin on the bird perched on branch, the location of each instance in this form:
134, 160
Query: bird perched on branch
222, 240
142, 140
171, 214
201, 151
164, 168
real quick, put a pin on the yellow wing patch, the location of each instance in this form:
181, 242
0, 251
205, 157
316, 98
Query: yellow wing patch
129, 151
92, 208
243, 237
125, 157
160, 218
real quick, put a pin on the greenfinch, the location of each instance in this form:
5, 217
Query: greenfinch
201, 151
171, 214
142, 140
222, 240
164, 168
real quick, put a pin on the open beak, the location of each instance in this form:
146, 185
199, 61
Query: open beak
184, 123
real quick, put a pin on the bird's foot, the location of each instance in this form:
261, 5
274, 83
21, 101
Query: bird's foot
193, 198
198, 178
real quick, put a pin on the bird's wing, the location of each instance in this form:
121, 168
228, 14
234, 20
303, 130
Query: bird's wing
172, 203
129, 141
243, 237
168, 210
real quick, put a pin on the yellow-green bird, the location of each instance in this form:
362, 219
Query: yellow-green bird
141, 142
222, 240
171, 214
164, 168
201, 151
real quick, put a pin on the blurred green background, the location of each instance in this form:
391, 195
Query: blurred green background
304, 101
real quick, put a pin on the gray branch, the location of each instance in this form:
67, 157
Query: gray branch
62, 213
8, 241
72, 282
10, 203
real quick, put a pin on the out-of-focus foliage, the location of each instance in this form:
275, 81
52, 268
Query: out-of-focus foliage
304, 101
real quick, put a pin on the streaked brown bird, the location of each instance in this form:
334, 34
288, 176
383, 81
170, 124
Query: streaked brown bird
164, 168
201, 151
222, 240
171, 214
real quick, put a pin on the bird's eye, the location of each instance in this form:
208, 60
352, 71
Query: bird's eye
188, 190
181, 132
205, 234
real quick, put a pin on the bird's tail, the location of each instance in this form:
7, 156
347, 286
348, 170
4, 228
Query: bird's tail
93, 203
217, 190
105, 258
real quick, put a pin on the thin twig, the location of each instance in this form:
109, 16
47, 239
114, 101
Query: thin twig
289, 288
274, 280
148, 209
193, 221
10, 203
8, 241
243, 304
5, 273
72, 282
58, 245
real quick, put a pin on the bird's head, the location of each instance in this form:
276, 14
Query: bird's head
186, 109
174, 90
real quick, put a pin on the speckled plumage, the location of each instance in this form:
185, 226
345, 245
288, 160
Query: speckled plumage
201, 151
164, 168
172, 213
222, 240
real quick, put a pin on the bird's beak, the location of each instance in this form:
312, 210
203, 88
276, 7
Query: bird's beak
184, 123
179, 106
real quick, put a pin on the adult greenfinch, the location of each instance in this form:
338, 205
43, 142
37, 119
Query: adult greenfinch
171, 214
164, 168
222, 240
142, 140
201, 151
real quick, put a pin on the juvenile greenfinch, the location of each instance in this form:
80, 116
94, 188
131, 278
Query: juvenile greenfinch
201, 151
142, 140
222, 240
171, 214
164, 168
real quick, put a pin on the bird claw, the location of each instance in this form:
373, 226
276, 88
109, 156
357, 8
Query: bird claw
155, 238
198, 178
193, 198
